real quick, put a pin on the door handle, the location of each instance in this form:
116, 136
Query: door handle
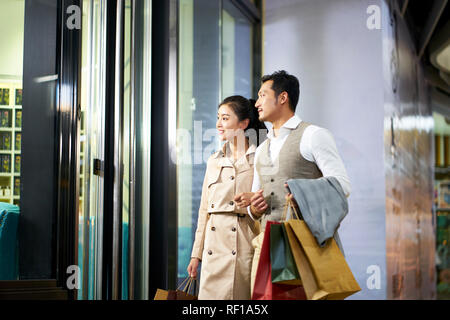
79, 112
98, 167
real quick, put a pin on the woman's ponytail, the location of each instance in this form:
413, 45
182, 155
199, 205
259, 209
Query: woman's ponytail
255, 123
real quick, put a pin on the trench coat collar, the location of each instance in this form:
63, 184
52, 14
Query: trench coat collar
224, 161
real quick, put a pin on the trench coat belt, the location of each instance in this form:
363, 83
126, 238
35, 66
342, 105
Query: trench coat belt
240, 215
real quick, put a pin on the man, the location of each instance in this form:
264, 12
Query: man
294, 149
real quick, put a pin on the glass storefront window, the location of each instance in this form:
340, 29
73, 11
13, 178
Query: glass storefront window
11, 66
215, 61
199, 94
236, 52
28, 141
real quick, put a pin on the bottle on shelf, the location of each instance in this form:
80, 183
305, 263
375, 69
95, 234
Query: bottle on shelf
4, 119
18, 119
18, 141
16, 186
7, 139
17, 164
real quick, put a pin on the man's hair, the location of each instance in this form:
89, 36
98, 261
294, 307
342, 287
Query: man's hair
283, 81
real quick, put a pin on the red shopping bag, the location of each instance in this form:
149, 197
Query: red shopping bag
264, 289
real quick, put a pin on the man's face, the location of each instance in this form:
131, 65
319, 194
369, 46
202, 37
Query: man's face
267, 103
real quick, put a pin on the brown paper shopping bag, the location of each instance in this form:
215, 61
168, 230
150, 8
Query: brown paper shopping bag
303, 266
324, 272
187, 293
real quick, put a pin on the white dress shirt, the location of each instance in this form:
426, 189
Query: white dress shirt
317, 145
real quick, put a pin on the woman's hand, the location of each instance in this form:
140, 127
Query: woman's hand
243, 199
193, 267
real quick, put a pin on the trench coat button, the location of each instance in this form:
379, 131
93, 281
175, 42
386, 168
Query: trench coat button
232, 177
213, 228
233, 252
212, 206
233, 229
209, 252
231, 203
271, 180
272, 193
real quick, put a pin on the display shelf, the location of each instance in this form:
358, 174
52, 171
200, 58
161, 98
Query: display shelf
442, 228
10, 139
442, 169
443, 194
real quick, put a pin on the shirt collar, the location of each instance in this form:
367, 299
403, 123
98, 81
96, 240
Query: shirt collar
251, 149
286, 128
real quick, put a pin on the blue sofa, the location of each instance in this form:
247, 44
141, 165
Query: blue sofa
9, 221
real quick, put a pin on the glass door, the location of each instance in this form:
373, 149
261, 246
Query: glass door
92, 142
113, 240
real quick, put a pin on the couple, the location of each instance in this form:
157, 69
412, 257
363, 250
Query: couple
239, 196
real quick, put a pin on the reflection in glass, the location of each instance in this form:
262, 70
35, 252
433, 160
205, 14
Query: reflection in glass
126, 149
141, 96
90, 232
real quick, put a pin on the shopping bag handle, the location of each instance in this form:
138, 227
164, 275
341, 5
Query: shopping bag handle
193, 285
287, 205
187, 284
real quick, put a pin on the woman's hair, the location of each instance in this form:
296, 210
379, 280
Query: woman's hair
245, 109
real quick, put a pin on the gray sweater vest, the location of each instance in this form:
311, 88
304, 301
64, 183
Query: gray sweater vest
290, 164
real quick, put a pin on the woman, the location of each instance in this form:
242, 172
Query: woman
224, 229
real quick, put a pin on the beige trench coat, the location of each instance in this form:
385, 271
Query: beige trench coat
223, 238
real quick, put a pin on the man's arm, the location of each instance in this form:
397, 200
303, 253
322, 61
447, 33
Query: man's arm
320, 147
253, 211
255, 187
